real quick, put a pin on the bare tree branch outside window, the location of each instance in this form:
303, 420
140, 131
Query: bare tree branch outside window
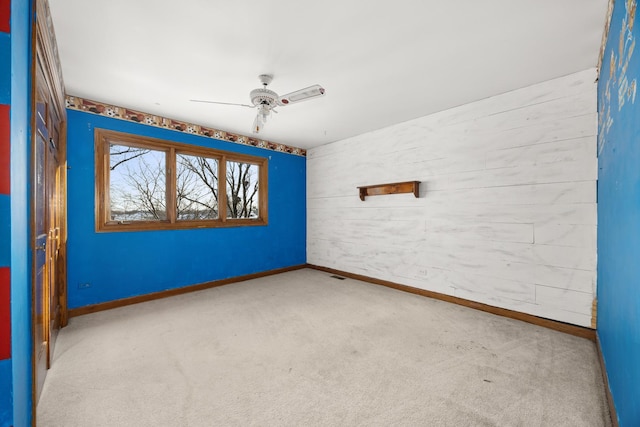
242, 190
196, 187
138, 184
144, 183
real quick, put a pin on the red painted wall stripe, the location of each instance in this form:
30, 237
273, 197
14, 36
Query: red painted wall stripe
5, 150
5, 313
5, 16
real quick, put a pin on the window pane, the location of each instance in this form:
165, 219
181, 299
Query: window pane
242, 190
196, 187
137, 186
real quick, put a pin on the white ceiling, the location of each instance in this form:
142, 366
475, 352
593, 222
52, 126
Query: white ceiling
380, 62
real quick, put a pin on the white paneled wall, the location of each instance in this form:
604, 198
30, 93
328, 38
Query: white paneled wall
507, 208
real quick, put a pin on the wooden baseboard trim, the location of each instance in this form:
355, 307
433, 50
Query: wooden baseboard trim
540, 321
74, 312
578, 331
607, 390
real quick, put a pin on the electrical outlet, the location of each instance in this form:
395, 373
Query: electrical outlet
84, 285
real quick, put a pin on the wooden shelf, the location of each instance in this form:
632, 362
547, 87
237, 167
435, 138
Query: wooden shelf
393, 188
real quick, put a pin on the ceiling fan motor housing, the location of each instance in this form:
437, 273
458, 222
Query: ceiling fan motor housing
264, 96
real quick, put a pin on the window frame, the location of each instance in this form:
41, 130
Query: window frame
102, 140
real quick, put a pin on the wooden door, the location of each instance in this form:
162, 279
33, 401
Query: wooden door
47, 224
53, 213
40, 242
48, 197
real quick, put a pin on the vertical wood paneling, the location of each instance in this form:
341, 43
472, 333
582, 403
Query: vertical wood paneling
507, 207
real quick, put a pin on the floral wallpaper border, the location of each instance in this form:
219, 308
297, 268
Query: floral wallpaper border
88, 106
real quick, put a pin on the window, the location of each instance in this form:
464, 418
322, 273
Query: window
242, 190
145, 184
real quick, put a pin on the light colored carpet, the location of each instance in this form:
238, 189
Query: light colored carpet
304, 349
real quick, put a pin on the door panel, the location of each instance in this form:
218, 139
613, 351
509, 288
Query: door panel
47, 223
40, 241
53, 233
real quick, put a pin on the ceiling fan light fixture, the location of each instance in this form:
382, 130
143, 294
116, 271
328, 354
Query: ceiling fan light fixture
256, 124
264, 111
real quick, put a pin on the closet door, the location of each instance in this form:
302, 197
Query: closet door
40, 238
48, 201
47, 223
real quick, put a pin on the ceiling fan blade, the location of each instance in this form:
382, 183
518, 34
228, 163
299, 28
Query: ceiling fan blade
310, 92
222, 103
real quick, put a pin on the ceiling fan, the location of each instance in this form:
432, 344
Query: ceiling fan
266, 100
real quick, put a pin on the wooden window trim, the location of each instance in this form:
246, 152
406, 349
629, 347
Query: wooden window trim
102, 139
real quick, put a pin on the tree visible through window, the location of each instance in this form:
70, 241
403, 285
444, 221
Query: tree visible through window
137, 183
197, 187
242, 190
143, 183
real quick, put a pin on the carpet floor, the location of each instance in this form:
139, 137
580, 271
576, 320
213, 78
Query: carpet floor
304, 349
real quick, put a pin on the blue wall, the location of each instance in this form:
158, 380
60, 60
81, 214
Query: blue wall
6, 408
619, 215
20, 259
123, 264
